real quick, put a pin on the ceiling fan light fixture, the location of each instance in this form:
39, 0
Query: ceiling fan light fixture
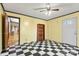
48, 13
48, 6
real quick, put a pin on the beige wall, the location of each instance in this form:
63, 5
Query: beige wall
1, 12
28, 32
55, 27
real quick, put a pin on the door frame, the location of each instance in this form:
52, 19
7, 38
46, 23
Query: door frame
43, 31
3, 29
19, 27
76, 29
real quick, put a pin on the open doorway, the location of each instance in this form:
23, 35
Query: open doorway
13, 38
11, 31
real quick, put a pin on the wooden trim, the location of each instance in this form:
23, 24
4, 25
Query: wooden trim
4, 32
41, 18
14, 17
25, 15
2, 7
19, 31
44, 31
63, 15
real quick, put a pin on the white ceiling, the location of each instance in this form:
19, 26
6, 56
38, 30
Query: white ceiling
28, 9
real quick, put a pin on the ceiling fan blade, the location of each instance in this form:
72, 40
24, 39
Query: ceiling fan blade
55, 9
40, 8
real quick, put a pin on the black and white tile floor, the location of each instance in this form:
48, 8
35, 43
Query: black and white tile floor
45, 48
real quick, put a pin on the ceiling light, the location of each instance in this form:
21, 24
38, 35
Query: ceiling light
48, 13
48, 5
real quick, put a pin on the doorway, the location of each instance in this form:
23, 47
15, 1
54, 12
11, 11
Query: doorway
40, 32
11, 31
13, 38
70, 31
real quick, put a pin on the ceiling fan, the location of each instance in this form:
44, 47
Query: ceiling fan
48, 9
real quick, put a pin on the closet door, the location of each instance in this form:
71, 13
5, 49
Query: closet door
40, 32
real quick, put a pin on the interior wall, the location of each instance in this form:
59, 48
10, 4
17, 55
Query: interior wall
55, 27
28, 27
1, 12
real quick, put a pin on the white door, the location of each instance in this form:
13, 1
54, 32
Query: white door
69, 31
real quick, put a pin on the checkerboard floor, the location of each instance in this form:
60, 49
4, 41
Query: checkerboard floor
45, 48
